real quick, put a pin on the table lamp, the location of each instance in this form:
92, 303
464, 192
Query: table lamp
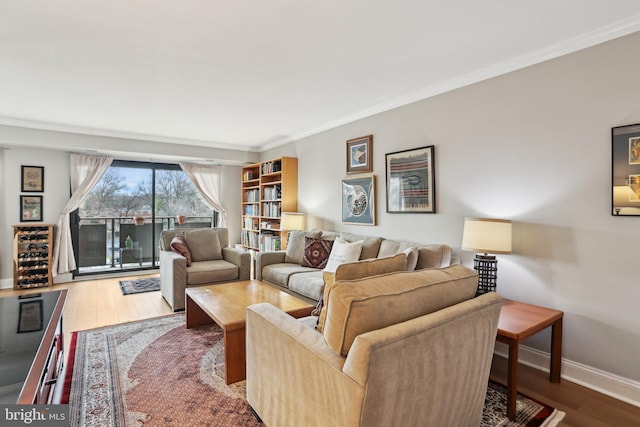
290, 221
488, 236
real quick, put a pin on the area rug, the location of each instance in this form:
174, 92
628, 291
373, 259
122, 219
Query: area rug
156, 372
138, 286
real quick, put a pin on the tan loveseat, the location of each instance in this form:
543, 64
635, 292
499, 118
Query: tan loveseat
284, 268
399, 349
212, 261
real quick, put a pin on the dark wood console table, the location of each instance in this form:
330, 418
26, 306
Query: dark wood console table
32, 351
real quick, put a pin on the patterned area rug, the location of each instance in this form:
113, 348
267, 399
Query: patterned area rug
137, 286
156, 372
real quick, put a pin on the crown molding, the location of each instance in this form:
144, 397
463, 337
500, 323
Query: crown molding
61, 127
583, 41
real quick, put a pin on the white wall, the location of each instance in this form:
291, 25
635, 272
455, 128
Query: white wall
55, 196
532, 146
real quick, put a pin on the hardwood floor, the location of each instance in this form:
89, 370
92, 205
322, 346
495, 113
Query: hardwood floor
95, 303
99, 302
584, 407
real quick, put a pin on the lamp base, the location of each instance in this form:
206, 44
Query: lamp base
487, 268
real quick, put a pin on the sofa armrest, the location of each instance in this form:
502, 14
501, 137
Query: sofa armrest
267, 258
240, 258
173, 278
293, 376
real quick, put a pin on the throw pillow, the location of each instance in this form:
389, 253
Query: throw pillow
316, 252
295, 245
179, 246
342, 252
204, 244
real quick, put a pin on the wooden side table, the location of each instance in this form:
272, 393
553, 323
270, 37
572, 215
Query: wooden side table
517, 322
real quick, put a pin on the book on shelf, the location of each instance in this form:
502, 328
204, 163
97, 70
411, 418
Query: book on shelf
252, 210
270, 242
272, 193
249, 175
271, 209
252, 196
271, 167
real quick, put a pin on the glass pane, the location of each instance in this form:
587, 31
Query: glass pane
176, 195
115, 226
116, 229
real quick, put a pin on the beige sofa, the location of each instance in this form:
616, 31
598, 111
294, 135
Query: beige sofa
284, 268
405, 348
212, 261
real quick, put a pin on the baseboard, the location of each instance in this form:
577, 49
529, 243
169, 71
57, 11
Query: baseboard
603, 382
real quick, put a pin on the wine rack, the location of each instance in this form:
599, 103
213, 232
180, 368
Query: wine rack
32, 255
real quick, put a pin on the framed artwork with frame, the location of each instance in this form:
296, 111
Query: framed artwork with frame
625, 170
410, 180
360, 155
30, 316
30, 208
359, 200
32, 179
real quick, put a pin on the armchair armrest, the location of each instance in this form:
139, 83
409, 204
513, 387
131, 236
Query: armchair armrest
173, 278
267, 258
240, 258
292, 375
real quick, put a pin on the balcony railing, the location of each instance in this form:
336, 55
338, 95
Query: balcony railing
105, 244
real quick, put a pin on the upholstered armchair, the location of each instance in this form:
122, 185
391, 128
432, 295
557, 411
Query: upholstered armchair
199, 257
406, 348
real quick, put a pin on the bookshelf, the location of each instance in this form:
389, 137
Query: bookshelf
268, 189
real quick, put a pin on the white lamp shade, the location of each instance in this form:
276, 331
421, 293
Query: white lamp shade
292, 221
487, 235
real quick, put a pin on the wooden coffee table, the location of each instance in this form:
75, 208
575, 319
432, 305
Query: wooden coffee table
226, 305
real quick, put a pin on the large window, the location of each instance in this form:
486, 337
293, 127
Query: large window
119, 224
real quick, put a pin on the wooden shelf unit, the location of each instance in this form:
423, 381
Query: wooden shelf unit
268, 189
32, 255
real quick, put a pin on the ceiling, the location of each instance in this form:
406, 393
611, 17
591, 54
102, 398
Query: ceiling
249, 75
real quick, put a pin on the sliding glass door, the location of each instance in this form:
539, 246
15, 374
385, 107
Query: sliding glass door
118, 226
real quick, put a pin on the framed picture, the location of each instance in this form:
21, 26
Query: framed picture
30, 316
32, 179
30, 208
359, 200
359, 155
410, 177
625, 170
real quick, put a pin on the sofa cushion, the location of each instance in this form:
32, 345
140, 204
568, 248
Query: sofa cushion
295, 245
316, 252
204, 244
358, 306
308, 284
328, 235
280, 273
211, 271
433, 256
342, 252
370, 244
358, 270
392, 247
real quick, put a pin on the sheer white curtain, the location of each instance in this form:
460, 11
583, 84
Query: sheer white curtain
206, 178
86, 171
